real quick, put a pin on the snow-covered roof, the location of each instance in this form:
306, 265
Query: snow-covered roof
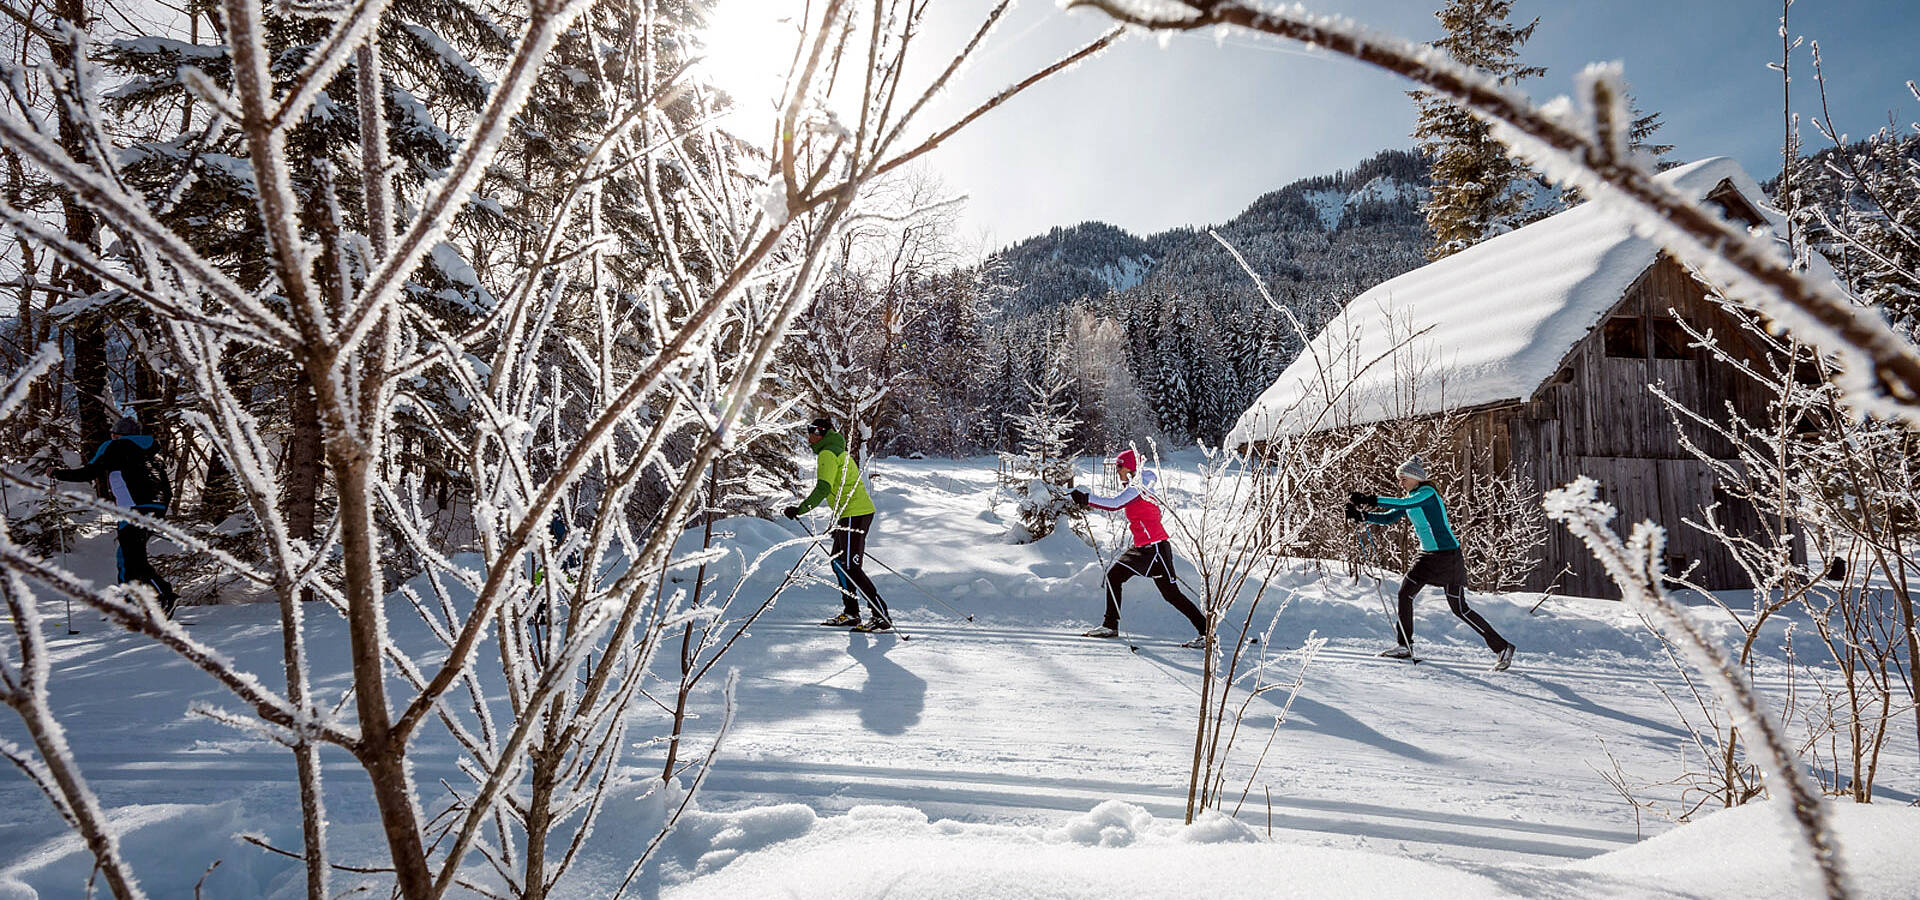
1498, 317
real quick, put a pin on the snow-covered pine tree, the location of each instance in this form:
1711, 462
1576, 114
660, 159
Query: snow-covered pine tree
945, 352
1890, 232
1043, 470
432, 58
1478, 191
1641, 135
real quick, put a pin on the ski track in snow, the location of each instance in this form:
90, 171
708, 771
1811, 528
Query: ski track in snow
1010, 719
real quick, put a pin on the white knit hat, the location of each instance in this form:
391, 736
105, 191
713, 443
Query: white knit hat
1413, 468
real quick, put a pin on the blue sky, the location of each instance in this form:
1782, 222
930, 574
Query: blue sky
1189, 130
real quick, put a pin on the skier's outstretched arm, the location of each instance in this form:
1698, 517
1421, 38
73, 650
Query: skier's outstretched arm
1117, 501
1387, 517
826, 472
1408, 502
102, 462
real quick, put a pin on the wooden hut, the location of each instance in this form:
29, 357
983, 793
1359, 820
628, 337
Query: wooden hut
1546, 339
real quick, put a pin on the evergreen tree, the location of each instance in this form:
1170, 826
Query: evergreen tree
1171, 388
1478, 191
1044, 467
1640, 136
1890, 232
433, 57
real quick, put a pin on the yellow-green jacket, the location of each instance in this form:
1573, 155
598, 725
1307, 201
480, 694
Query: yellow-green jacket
839, 478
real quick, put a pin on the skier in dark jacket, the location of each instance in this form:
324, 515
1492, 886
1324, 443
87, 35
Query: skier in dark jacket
1151, 554
837, 484
1440, 562
130, 462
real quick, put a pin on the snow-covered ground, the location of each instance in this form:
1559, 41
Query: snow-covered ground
1008, 757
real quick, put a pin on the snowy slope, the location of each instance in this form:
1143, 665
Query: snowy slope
1008, 757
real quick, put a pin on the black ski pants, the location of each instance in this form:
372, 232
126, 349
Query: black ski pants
130, 552
1155, 561
849, 566
1448, 570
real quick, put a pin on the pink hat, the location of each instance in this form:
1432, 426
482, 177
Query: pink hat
1128, 460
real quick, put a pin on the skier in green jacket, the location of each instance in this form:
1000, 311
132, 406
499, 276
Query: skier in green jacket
838, 485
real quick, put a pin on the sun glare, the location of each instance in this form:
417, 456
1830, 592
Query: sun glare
748, 45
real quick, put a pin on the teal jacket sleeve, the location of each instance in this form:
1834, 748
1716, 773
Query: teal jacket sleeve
1386, 518
1410, 501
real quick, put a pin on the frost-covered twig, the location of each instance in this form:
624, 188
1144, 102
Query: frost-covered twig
1636, 567
56, 772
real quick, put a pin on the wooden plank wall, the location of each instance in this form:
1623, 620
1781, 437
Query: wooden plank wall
1598, 418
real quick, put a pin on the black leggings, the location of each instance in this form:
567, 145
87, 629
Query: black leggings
1448, 570
849, 557
130, 552
1155, 561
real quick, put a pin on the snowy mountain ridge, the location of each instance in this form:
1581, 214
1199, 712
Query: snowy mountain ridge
1200, 339
1093, 259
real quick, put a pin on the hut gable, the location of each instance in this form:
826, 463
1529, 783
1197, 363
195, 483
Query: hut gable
1494, 323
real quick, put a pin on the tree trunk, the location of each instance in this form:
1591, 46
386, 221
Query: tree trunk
540, 817
83, 230
380, 753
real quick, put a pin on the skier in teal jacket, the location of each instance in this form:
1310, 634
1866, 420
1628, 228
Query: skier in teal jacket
1440, 562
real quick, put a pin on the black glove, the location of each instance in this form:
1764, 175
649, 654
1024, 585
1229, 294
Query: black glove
1354, 514
792, 512
1079, 497
1358, 499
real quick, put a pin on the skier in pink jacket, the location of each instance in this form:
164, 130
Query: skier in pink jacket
1151, 554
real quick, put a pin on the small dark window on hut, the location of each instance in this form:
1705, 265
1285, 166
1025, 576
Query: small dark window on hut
1625, 339
1670, 340
1806, 373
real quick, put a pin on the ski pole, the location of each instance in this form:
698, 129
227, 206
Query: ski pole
914, 584
788, 578
1367, 553
63, 552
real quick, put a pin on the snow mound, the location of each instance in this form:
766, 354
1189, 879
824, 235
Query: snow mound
952, 860
1117, 851
1215, 827
730, 835
1745, 852
1111, 824
1115, 823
